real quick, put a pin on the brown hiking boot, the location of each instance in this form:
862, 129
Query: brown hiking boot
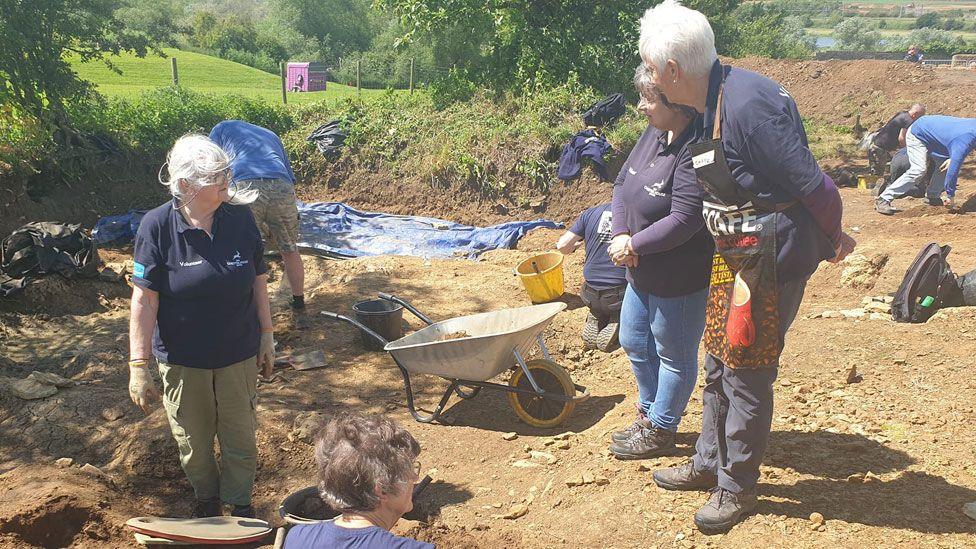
635, 427
208, 508
724, 510
685, 477
646, 442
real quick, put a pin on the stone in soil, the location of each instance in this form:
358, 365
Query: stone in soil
63, 463
29, 389
49, 378
516, 511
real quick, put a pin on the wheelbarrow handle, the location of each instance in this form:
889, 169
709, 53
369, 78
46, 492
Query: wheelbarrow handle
407, 306
336, 316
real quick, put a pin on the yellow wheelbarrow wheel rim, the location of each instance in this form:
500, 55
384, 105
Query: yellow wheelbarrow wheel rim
539, 411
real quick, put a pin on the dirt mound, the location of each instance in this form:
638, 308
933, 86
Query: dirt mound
837, 91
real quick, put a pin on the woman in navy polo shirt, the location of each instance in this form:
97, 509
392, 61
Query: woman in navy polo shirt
200, 306
659, 234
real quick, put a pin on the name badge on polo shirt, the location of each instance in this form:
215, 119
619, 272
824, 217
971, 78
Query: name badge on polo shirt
138, 270
236, 261
703, 159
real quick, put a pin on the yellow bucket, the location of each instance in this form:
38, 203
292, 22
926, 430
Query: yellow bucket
864, 182
542, 276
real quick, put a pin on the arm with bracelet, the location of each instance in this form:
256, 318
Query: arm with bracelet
142, 323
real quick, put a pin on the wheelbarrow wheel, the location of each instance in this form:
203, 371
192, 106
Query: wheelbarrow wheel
539, 411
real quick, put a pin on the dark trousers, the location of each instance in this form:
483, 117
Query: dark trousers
604, 304
738, 410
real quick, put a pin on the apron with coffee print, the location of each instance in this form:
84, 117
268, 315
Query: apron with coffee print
742, 314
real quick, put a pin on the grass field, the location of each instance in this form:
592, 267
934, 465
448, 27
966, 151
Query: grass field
197, 72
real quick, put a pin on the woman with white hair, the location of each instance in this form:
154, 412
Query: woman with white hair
774, 216
200, 307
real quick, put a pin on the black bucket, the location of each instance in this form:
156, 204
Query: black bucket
383, 317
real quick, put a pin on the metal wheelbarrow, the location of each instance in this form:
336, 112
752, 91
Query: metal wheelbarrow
467, 351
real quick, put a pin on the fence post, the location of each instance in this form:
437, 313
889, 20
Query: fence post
176, 76
284, 83
358, 84
411, 76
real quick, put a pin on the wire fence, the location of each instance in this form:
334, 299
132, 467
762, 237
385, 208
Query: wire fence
372, 73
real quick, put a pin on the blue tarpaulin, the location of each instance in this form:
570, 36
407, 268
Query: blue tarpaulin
334, 228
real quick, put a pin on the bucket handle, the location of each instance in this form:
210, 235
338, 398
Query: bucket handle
406, 305
336, 316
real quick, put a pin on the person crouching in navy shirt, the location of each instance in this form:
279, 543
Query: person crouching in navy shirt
603, 282
200, 306
660, 236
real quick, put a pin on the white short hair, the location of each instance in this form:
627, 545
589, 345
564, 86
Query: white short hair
197, 161
672, 31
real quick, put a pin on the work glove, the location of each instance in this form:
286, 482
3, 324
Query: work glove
266, 356
142, 389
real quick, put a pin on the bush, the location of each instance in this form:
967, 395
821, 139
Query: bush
24, 141
931, 41
454, 87
151, 124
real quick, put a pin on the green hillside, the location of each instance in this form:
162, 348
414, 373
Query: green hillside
198, 72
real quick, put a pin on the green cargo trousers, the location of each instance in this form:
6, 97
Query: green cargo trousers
202, 404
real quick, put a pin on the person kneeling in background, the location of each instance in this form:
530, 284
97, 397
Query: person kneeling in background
604, 283
367, 467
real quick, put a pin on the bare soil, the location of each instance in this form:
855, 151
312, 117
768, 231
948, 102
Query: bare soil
886, 456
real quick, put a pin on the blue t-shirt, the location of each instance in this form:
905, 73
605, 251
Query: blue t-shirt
595, 226
255, 152
767, 151
657, 180
207, 316
326, 535
947, 137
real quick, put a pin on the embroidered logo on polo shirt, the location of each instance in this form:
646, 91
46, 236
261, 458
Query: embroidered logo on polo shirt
191, 263
631, 171
655, 189
236, 261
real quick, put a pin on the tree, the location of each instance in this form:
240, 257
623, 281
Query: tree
519, 44
38, 38
158, 19
856, 34
336, 26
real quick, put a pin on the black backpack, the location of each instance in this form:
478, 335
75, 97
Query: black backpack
928, 286
605, 111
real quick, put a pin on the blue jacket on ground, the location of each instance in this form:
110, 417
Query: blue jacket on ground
255, 152
947, 137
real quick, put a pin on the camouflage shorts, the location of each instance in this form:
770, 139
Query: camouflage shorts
275, 212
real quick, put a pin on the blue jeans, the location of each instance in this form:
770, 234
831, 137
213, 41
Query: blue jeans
661, 336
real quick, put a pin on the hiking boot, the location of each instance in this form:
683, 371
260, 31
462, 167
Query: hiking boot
607, 340
243, 511
591, 331
884, 207
724, 510
646, 442
685, 477
299, 318
635, 427
207, 508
